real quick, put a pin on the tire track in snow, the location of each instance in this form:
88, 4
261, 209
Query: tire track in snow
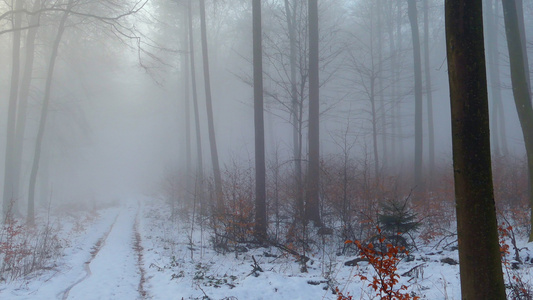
139, 251
95, 249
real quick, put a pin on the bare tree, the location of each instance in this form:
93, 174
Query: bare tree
491, 20
44, 115
24, 92
413, 20
295, 106
312, 207
286, 54
365, 66
187, 99
429, 97
67, 10
10, 195
199, 158
521, 92
209, 106
259, 125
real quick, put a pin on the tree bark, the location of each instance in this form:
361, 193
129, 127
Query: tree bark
392, 51
24, 92
521, 27
477, 228
296, 117
260, 169
413, 20
313, 186
493, 70
10, 194
522, 96
399, 122
187, 99
209, 106
380, 78
44, 115
500, 111
429, 96
199, 155
374, 113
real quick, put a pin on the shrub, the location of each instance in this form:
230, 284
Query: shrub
517, 288
385, 264
25, 249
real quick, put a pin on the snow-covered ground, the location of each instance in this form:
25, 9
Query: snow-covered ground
134, 251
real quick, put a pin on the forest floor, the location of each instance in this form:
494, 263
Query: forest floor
135, 251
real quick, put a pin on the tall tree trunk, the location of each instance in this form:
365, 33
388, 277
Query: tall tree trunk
187, 99
313, 187
24, 94
520, 88
296, 117
199, 155
374, 76
380, 77
374, 113
44, 115
500, 110
10, 195
521, 27
491, 50
259, 125
392, 51
498, 130
413, 20
399, 121
477, 228
429, 97
209, 106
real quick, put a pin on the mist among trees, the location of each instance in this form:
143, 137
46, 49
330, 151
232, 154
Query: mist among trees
354, 127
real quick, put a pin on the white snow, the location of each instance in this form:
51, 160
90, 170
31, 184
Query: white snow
100, 262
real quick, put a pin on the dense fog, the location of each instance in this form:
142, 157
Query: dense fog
117, 116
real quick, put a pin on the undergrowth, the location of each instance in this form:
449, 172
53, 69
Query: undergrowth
26, 249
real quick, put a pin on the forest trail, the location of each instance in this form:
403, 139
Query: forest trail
95, 250
114, 269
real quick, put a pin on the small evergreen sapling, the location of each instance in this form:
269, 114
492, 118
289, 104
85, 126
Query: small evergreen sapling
396, 220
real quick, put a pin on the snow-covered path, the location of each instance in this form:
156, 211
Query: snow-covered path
113, 272
103, 260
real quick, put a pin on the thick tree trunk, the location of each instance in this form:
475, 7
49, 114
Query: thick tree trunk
209, 107
260, 169
199, 156
44, 115
10, 195
520, 88
429, 96
413, 20
313, 185
477, 228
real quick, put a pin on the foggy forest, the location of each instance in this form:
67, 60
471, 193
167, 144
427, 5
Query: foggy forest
275, 149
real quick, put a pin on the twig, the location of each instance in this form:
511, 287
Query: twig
203, 291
